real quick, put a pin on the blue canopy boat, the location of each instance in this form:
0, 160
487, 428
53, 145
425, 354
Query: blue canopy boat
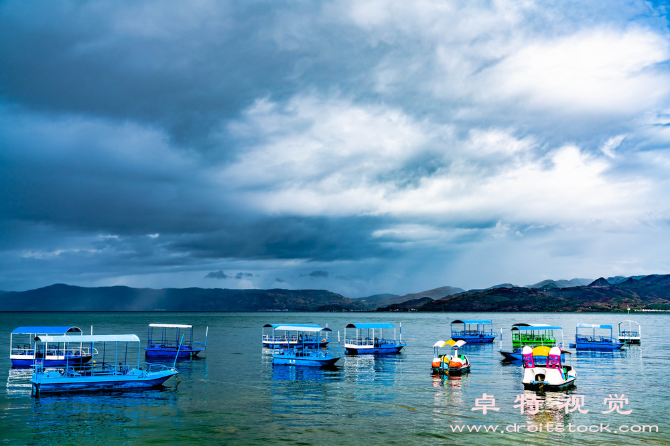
596, 342
367, 342
23, 354
294, 338
116, 375
301, 355
473, 332
167, 346
532, 335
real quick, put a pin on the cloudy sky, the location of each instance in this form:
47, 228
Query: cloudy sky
361, 147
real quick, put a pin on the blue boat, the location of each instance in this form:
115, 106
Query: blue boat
167, 346
22, 354
302, 355
294, 338
473, 332
593, 341
367, 341
108, 376
532, 335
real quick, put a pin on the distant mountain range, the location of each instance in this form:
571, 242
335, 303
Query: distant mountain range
612, 294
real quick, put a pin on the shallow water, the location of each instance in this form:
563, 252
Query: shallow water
236, 396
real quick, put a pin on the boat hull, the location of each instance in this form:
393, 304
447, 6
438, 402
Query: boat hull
98, 383
169, 352
474, 339
28, 361
373, 350
308, 362
609, 346
514, 356
543, 385
270, 344
629, 340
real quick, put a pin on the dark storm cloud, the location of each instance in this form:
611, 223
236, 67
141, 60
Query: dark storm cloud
217, 275
279, 280
239, 276
318, 274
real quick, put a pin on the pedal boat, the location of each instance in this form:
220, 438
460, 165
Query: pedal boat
553, 376
455, 364
105, 376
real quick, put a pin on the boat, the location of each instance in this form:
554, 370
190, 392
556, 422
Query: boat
294, 338
630, 336
302, 355
593, 341
168, 346
368, 340
473, 332
108, 376
455, 364
23, 354
532, 335
552, 376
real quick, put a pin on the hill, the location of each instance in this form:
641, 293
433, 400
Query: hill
61, 297
410, 305
648, 292
374, 300
560, 283
436, 293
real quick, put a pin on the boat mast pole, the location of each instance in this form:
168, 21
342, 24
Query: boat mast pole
401, 332
174, 365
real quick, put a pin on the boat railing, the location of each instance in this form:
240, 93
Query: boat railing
629, 333
601, 339
72, 351
472, 333
153, 368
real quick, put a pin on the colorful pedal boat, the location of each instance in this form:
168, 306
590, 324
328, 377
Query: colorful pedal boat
553, 376
456, 364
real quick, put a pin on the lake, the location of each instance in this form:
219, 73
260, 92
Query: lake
236, 396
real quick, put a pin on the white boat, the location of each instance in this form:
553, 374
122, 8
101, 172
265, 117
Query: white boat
551, 376
116, 375
22, 347
630, 332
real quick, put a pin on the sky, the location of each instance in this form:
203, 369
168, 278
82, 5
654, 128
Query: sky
360, 147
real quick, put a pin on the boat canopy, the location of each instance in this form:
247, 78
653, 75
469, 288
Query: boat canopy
627, 320
46, 330
89, 338
440, 344
531, 327
367, 325
471, 321
594, 326
296, 327
170, 326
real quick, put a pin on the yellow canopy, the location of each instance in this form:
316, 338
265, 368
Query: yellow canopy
450, 342
542, 350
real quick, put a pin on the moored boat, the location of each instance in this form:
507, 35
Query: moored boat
302, 355
368, 340
168, 346
630, 332
552, 376
108, 376
455, 364
473, 331
533, 335
22, 354
594, 341
294, 338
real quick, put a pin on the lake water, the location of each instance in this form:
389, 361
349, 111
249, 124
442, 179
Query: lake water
236, 396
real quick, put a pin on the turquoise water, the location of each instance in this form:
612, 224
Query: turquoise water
236, 396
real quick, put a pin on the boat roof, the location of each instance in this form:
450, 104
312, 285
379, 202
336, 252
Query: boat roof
46, 330
298, 327
529, 327
472, 321
628, 320
89, 338
593, 326
170, 326
370, 325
